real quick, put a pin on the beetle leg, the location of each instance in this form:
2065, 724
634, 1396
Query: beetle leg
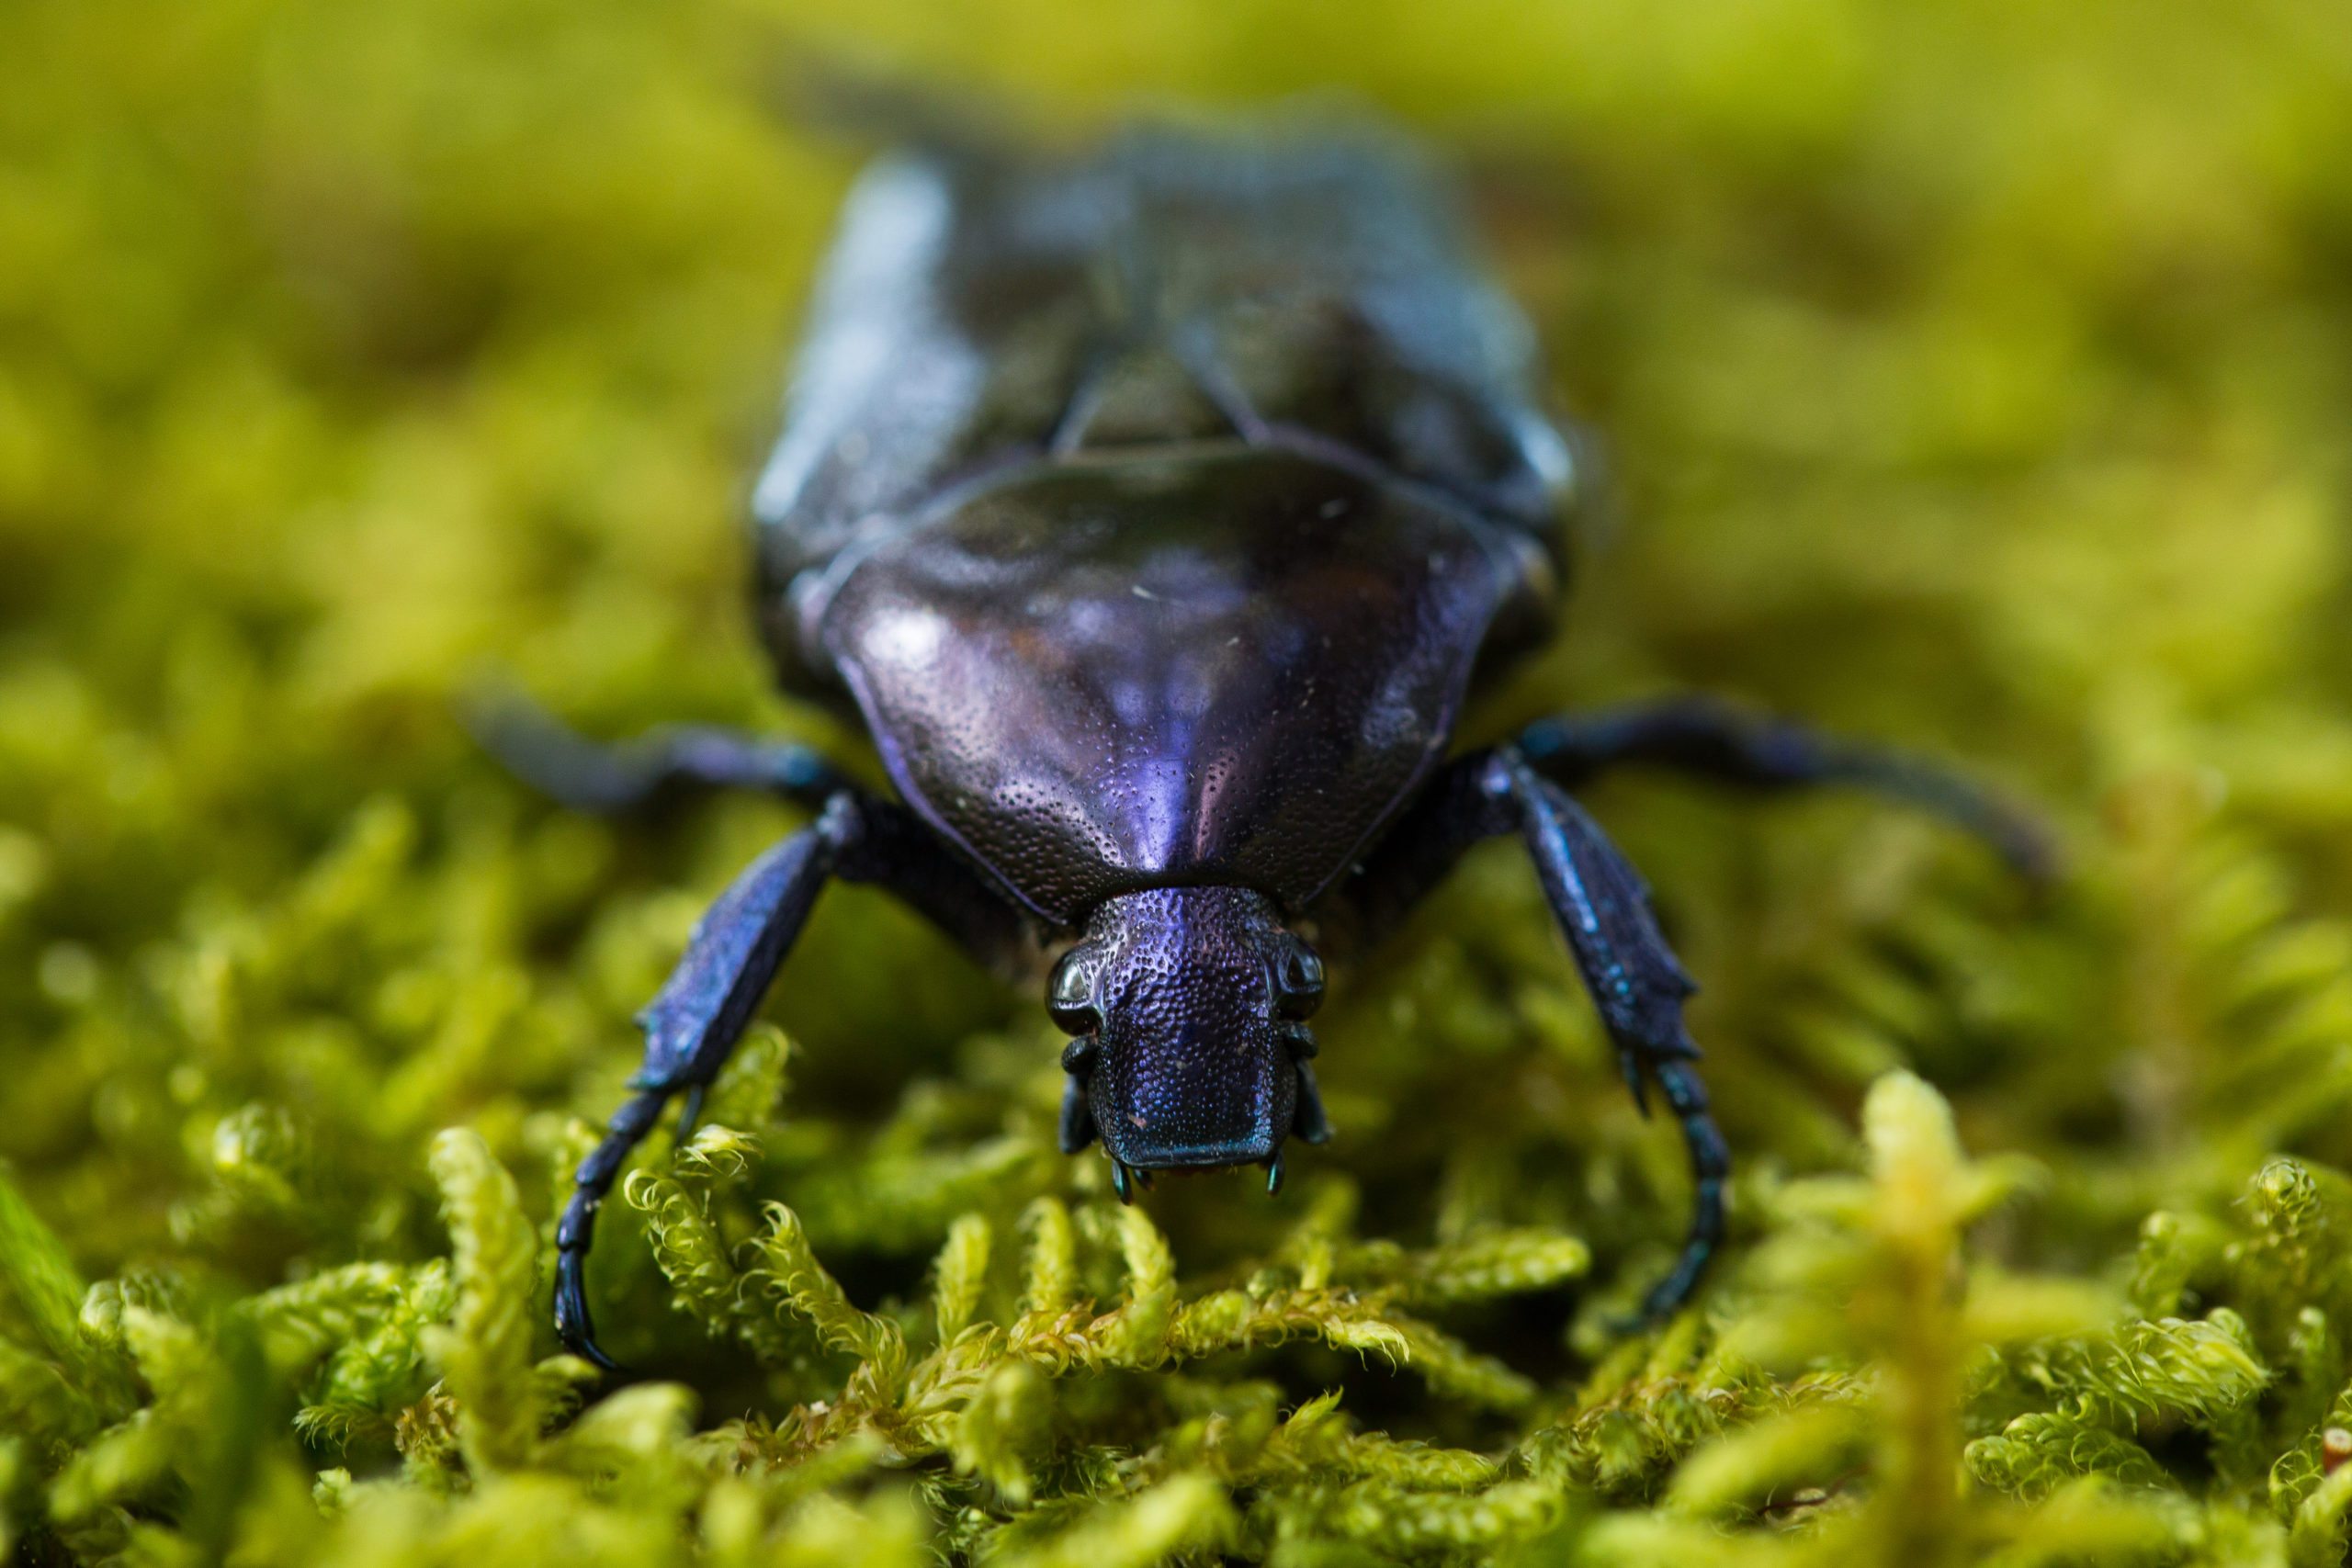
550, 756
1086, 397
1195, 347
1715, 741
693, 1023
1636, 985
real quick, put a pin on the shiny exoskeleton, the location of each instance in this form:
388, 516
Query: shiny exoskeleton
1156, 511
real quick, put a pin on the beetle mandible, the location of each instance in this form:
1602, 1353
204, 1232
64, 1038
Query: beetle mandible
1156, 510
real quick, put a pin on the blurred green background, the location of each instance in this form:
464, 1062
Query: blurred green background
1976, 375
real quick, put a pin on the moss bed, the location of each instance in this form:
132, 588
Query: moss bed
1973, 375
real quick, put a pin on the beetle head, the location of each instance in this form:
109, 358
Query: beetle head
1188, 1009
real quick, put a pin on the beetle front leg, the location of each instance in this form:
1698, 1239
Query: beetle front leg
550, 756
1714, 741
1636, 983
692, 1026
694, 1020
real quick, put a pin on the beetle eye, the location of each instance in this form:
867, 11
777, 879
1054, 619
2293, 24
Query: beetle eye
1070, 998
1300, 981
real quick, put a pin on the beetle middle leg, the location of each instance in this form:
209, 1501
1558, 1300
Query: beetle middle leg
1715, 741
694, 1020
546, 753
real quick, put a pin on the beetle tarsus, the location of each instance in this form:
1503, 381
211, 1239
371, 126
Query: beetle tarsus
1710, 1168
571, 1324
1274, 1174
1123, 1182
591, 1183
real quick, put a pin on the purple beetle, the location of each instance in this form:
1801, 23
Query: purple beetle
1156, 511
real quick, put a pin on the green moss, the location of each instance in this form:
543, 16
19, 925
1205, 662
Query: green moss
1971, 377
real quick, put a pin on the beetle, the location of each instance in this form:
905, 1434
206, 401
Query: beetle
1156, 508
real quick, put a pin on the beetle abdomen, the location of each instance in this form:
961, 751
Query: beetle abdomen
979, 312
1208, 664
